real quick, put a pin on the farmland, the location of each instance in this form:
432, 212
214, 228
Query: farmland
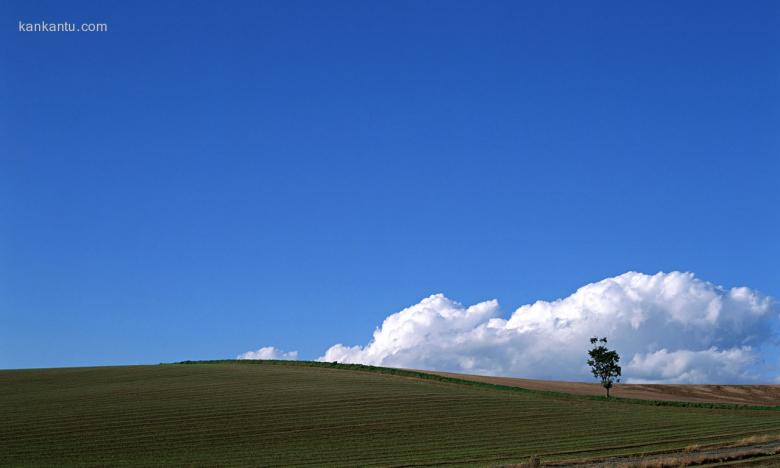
767, 395
273, 413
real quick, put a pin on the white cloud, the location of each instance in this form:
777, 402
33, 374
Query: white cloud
669, 327
688, 367
269, 352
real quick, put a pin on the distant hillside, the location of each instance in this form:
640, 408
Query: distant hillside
766, 395
284, 414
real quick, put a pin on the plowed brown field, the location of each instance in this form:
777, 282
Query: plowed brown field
766, 395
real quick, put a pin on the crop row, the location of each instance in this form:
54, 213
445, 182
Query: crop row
287, 415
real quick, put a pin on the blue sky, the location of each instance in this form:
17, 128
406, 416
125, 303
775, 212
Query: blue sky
206, 178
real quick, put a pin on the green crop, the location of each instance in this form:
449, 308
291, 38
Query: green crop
281, 413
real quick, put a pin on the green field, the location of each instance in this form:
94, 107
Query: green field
264, 414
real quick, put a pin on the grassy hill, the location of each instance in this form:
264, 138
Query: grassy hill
276, 413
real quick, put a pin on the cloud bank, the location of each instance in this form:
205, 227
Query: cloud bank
667, 327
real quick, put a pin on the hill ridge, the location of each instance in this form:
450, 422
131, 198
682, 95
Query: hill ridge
497, 383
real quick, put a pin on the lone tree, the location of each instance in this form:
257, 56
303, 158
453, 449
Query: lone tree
604, 363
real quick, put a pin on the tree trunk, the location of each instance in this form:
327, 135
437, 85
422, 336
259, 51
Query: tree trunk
607, 393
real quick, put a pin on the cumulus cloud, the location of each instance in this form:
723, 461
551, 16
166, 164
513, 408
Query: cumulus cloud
269, 352
668, 327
